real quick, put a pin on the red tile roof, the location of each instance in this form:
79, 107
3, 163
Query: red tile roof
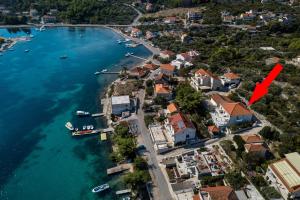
220, 99
167, 67
167, 52
221, 193
231, 76
213, 129
172, 107
180, 122
150, 66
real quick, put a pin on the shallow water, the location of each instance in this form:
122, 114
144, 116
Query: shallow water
39, 93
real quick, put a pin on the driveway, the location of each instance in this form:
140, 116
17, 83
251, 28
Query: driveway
161, 189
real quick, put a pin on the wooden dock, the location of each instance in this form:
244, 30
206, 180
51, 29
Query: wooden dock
120, 168
120, 192
109, 72
86, 132
97, 114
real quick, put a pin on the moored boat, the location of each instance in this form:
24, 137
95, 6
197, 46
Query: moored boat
63, 57
100, 188
82, 113
69, 126
96, 73
104, 70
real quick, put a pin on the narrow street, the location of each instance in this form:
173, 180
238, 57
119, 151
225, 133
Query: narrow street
159, 180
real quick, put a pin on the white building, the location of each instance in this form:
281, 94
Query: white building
284, 175
135, 32
179, 128
230, 78
205, 80
120, 104
226, 112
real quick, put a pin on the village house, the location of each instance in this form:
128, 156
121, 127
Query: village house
227, 18
150, 35
272, 60
254, 144
248, 15
120, 104
205, 80
170, 20
284, 175
166, 54
167, 69
138, 72
179, 128
216, 193
149, 7
193, 16
135, 32
162, 79
48, 19
172, 108
213, 131
163, 91
230, 79
227, 112
150, 66
184, 59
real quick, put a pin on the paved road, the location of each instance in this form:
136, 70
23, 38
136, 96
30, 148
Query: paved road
158, 177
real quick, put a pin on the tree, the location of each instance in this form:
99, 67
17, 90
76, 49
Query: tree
148, 119
269, 133
236, 180
121, 130
137, 179
188, 99
140, 163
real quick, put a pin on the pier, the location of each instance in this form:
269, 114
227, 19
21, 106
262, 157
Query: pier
139, 57
109, 72
120, 168
120, 192
97, 114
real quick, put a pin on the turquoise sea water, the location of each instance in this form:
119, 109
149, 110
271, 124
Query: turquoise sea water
39, 93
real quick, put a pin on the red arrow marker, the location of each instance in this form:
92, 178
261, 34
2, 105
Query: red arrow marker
261, 89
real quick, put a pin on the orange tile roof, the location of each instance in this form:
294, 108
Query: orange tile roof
180, 122
150, 66
232, 108
203, 72
253, 138
236, 109
255, 147
135, 30
221, 193
162, 89
196, 197
167, 67
172, 107
213, 129
219, 99
231, 76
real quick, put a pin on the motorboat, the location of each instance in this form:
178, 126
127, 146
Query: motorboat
96, 73
27, 50
119, 41
69, 126
127, 40
100, 188
91, 127
84, 128
127, 54
82, 113
104, 70
63, 57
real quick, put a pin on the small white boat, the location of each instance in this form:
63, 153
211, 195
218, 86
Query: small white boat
91, 127
69, 126
127, 54
31, 36
63, 57
84, 127
96, 73
127, 40
100, 188
119, 41
104, 70
131, 54
82, 113
27, 50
